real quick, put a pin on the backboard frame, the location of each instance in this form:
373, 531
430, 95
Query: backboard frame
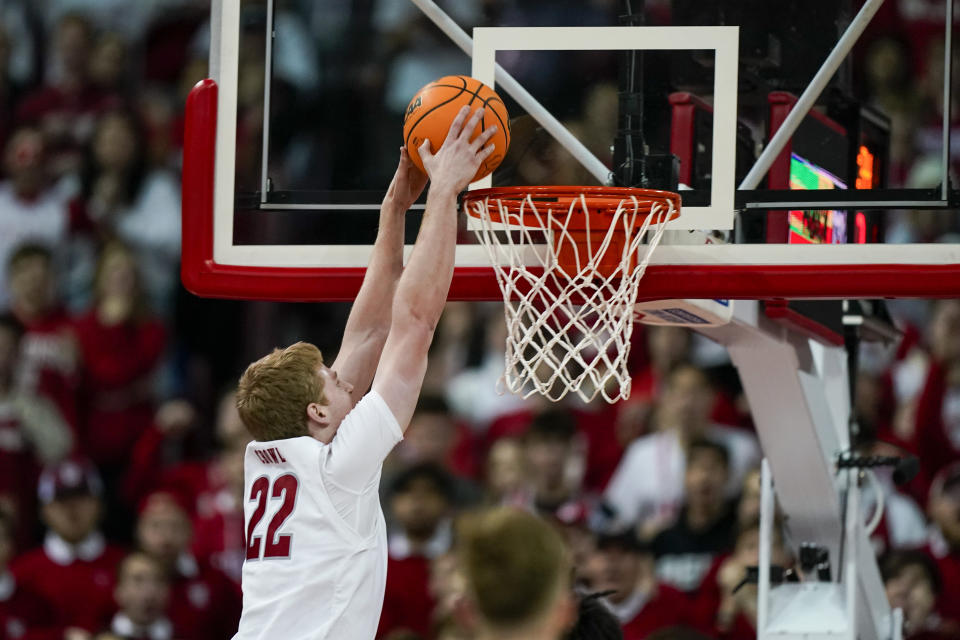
213, 266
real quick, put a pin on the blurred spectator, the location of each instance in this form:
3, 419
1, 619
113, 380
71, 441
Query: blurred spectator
142, 594
554, 462
594, 621
472, 393
723, 606
204, 603
938, 410
74, 569
944, 510
517, 573
647, 487
505, 470
138, 204
32, 434
121, 343
22, 613
435, 436
912, 584
622, 564
48, 350
420, 500
67, 106
108, 64
29, 211
706, 524
215, 485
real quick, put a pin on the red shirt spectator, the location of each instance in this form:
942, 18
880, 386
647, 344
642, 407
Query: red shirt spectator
407, 602
120, 346
117, 366
74, 569
31, 433
937, 435
621, 564
66, 109
944, 510
420, 499
48, 360
204, 603
23, 614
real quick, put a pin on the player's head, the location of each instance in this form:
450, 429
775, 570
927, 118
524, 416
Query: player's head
163, 528
518, 574
143, 588
291, 393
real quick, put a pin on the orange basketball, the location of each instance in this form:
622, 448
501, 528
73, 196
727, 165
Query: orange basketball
435, 106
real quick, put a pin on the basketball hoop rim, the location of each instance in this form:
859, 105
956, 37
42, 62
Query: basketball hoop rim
587, 192
598, 201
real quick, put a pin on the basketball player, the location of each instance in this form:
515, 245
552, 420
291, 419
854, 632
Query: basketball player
316, 539
518, 575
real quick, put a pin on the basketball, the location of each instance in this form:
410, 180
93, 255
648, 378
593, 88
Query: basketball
431, 111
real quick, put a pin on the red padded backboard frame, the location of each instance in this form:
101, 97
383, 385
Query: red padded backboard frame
204, 277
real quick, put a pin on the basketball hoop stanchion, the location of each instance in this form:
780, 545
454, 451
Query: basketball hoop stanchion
569, 300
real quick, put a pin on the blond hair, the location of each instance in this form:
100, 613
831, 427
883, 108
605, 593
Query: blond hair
515, 564
274, 392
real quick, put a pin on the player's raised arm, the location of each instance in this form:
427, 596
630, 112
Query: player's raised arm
369, 320
422, 290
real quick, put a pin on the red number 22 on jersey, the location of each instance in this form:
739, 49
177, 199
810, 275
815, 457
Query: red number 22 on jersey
278, 545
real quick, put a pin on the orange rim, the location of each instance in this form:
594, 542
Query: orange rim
555, 201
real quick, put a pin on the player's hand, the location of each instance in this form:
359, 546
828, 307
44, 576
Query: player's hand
457, 161
407, 184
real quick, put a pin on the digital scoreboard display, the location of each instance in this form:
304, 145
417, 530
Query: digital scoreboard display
815, 226
828, 226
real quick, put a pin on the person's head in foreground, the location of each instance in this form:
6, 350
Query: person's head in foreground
518, 575
912, 583
290, 393
142, 592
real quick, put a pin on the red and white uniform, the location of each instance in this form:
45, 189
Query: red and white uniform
316, 562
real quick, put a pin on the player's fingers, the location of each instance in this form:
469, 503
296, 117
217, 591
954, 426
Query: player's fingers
425, 150
472, 123
486, 151
457, 125
484, 137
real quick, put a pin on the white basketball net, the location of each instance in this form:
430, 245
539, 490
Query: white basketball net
567, 331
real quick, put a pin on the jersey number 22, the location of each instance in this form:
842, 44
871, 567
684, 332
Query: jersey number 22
277, 544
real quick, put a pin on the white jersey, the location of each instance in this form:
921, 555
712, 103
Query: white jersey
316, 563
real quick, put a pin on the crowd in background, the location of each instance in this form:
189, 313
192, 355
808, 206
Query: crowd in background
121, 479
